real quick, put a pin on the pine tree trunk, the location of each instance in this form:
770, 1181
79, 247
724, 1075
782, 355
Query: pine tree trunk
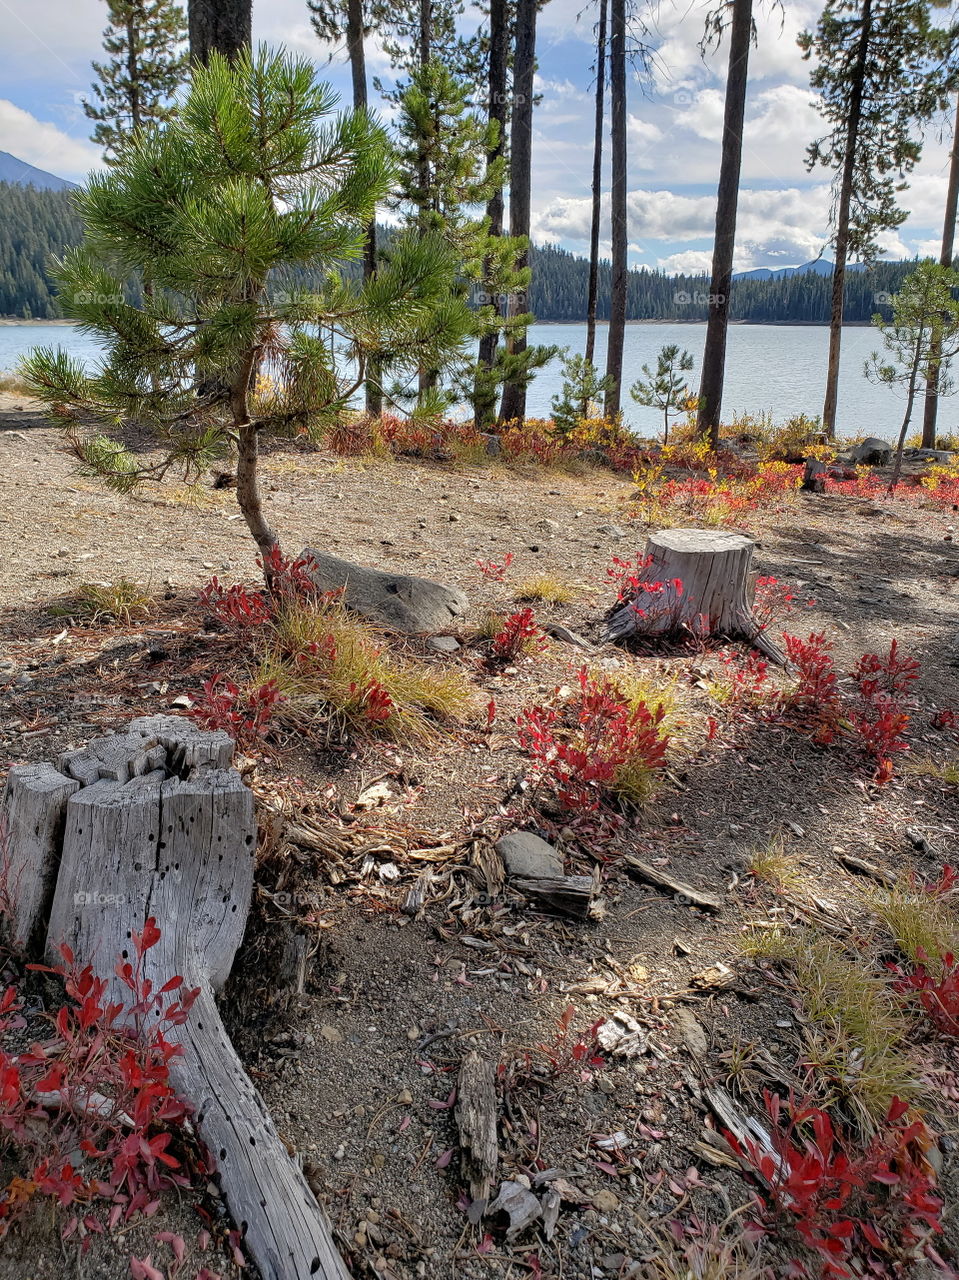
931, 407
842, 221
356, 51
247, 465
618, 268
219, 26
907, 416
521, 154
484, 395
133, 74
597, 187
724, 244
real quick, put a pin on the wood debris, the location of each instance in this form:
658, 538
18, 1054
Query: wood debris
681, 891
476, 1121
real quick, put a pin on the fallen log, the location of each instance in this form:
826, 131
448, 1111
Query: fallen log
155, 824
697, 583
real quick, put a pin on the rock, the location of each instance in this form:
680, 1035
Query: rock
492, 444
872, 452
548, 526
612, 531
529, 857
605, 1202
399, 600
941, 456
443, 644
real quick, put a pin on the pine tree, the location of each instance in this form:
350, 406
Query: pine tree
664, 388
873, 78
148, 65
353, 26
924, 330
592, 295
616, 333
255, 175
494, 288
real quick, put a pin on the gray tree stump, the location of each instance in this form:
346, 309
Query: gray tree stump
154, 823
713, 596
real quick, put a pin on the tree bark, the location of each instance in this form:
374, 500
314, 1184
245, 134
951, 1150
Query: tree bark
842, 222
513, 405
704, 591
907, 416
619, 278
592, 292
724, 244
484, 397
931, 406
219, 26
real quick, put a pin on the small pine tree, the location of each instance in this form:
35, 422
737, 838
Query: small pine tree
148, 65
924, 329
665, 389
582, 388
253, 176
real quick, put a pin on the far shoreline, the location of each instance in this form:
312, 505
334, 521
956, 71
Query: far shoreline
15, 321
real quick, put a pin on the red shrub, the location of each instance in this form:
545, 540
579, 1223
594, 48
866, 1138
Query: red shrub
891, 674
496, 572
851, 1206
612, 747
244, 715
100, 1086
236, 607
938, 996
520, 635
880, 719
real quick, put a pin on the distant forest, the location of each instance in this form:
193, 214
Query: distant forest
36, 224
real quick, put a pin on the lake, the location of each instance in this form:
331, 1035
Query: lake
768, 367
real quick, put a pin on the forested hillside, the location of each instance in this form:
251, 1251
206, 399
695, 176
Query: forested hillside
33, 225
36, 224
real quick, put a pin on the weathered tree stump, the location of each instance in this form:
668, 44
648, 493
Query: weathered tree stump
814, 476
701, 586
155, 823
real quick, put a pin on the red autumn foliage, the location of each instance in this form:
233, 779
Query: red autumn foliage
937, 993
244, 715
851, 1205
519, 635
99, 1086
582, 755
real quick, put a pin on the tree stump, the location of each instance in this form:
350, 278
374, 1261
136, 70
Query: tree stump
155, 823
700, 585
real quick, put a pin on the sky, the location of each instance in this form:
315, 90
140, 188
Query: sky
674, 115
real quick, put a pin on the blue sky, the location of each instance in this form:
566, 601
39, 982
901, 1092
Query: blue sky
675, 125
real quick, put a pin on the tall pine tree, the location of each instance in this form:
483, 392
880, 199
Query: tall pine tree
146, 43
873, 77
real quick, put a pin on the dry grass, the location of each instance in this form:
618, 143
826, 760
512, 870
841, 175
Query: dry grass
714, 1254
946, 771
93, 602
858, 1033
489, 625
324, 660
922, 926
13, 385
771, 864
543, 588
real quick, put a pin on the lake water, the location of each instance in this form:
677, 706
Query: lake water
768, 367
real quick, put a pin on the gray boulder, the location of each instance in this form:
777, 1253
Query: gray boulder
527, 856
941, 456
400, 601
871, 453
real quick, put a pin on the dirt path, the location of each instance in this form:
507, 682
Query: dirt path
358, 1071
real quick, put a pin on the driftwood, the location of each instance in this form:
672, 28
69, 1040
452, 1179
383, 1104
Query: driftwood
702, 587
680, 890
569, 895
476, 1121
155, 824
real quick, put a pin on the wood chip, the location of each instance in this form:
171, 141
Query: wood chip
476, 1121
681, 891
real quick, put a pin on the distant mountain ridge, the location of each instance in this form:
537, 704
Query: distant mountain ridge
27, 175
818, 266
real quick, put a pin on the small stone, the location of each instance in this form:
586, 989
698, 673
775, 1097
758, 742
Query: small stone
340, 1152
443, 644
404, 1097
605, 1201
526, 855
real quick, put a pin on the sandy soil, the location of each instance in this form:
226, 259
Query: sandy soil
358, 1070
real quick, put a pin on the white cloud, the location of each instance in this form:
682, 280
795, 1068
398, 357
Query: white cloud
43, 144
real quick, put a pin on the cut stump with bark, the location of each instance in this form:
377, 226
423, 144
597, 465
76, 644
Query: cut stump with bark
155, 824
698, 583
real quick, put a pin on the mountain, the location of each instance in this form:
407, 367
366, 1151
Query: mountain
818, 266
25, 175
